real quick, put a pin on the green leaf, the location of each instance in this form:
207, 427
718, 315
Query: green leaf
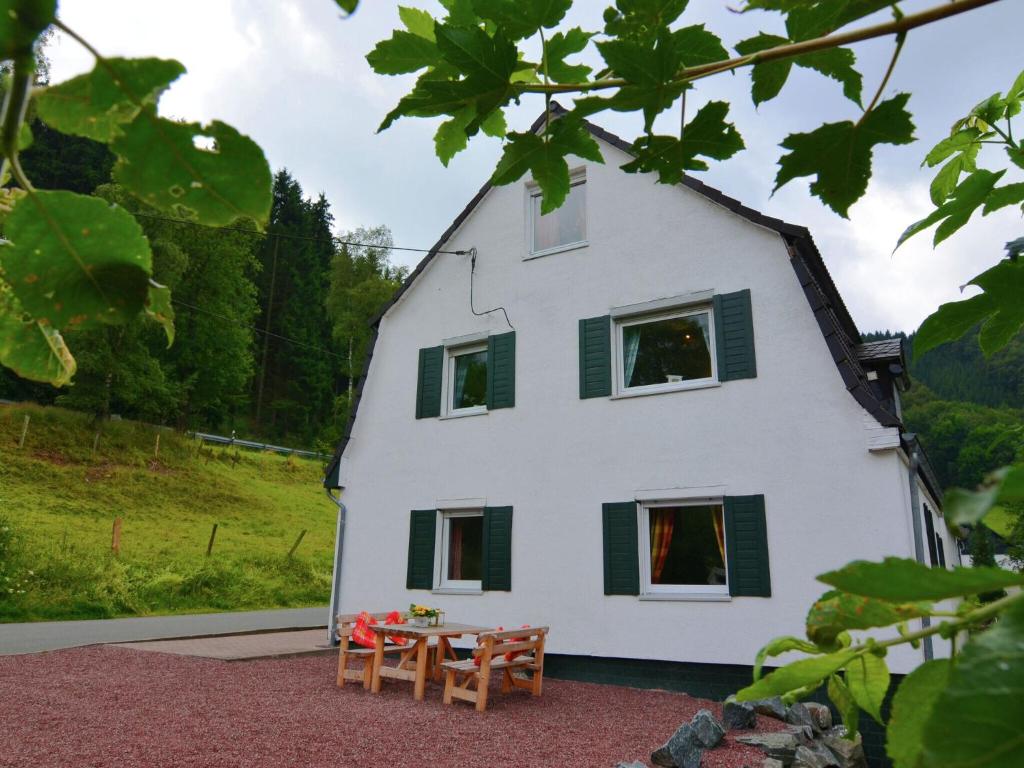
976, 719
494, 124
706, 135
21, 22
959, 141
558, 48
904, 581
451, 138
475, 53
964, 507
835, 612
460, 13
777, 647
945, 180
159, 162
31, 349
768, 77
73, 261
522, 18
839, 154
159, 309
867, 678
650, 69
348, 6
836, 63
417, 21
998, 309
697, 46
403, 52
968, 196
1014, 96
97, 104
911, 707
641, 20
843, 700
546, 159
798, 674
816, 19
1000, 197
1001, 521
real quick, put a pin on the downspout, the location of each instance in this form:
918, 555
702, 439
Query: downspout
339, 542
915, 516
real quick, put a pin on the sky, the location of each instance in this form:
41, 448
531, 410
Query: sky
292, 75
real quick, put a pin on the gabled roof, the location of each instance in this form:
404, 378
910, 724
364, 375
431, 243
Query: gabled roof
834, 320
881, 351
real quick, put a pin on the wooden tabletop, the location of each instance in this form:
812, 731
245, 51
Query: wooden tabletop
446, 629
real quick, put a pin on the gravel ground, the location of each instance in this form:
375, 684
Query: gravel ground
104, 706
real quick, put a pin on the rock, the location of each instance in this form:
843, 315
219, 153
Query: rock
848, 754
771, 762
661, 756
739, 715
634, 764
684, 748
772, 707
804, 734
813, 757
820, 714
799, 714
708, 731
780, 745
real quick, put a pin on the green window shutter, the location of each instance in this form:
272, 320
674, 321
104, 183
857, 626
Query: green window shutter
428, 385
501, 370
746, 545
422, 535
596, 357
621, 556
497, 556
734, 336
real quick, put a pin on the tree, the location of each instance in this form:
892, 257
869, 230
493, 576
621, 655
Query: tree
362, 281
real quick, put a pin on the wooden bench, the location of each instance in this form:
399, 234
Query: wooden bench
346, 624
491, 650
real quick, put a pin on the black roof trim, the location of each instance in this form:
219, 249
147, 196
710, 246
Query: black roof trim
834, 319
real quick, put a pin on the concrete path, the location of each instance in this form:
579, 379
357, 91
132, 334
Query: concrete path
260, 645
51, 635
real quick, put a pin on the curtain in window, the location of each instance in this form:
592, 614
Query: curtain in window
461, 370
716, 518
631, 341
703, 321
455, 550
662, 523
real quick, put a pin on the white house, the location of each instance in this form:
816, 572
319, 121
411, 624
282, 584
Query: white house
645, 419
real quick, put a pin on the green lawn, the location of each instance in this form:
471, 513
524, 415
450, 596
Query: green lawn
58, 501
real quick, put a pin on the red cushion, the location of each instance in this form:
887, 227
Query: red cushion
512, 654
362, 634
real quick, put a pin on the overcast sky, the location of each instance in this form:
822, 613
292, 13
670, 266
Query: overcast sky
293, 76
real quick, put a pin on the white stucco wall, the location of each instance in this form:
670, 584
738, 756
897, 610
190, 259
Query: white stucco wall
793, 434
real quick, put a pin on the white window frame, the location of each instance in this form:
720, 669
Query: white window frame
618, 347
714, 591
576, 179
441, 581
451, 353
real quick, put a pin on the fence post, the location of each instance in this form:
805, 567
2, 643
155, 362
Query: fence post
95, 444
156, 451
115, 540
213, 535
24, 432
296, 544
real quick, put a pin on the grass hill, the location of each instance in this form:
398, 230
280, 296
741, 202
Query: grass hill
61, 491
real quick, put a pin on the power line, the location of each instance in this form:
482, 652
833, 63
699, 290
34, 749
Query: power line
258, 330
306, 238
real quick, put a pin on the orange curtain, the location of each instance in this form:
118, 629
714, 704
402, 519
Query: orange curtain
716, 518
662, 523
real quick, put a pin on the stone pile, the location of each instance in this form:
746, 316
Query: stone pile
810, 740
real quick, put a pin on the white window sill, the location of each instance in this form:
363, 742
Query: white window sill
461, 414
697, 597
454, 591
556, 249
659, 389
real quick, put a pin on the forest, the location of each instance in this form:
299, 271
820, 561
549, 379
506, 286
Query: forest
271, 327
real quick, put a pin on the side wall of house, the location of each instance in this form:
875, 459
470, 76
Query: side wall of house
793, 433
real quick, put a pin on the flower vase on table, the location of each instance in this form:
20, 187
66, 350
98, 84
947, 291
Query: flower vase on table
420, 621
423, 616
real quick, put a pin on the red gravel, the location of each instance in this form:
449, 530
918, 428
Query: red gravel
110, 707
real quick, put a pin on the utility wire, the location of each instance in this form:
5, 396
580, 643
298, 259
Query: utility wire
307, 238
296, 342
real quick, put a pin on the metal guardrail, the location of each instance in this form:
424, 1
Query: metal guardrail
252, 445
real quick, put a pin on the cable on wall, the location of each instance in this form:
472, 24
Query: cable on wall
472, 273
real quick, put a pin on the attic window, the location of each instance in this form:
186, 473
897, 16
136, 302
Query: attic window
563, 228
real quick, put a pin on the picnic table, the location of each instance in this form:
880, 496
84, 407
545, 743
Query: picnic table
417, 651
